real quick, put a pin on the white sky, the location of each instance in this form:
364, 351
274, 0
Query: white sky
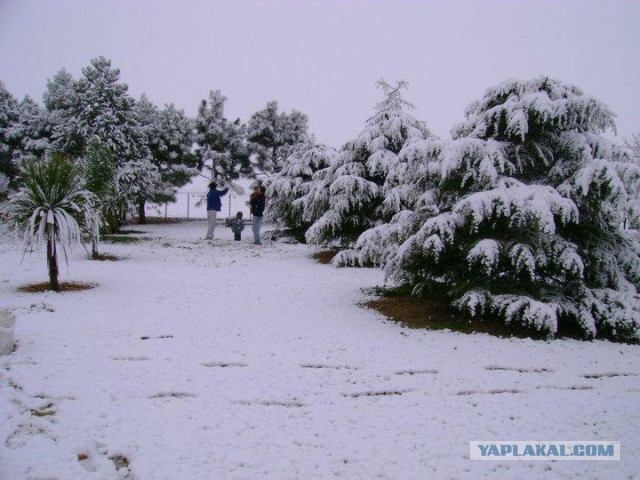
324, 57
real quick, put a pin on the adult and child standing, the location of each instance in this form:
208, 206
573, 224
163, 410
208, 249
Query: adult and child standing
257, 203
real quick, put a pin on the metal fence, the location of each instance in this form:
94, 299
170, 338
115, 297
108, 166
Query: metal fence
193, 206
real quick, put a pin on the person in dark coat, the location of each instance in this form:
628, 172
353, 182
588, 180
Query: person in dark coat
257, 202
214, 205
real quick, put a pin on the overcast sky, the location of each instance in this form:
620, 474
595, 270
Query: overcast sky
324, 57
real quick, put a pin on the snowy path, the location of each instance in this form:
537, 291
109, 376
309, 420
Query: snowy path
192, 361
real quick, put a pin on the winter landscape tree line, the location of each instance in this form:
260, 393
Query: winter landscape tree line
528, 215
143, 153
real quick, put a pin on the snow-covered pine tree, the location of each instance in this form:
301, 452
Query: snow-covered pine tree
102, 107
220, 143
59, 100
288, 187
271, 134
8, 142
532, 199
32, 132
4, 186
168, 134
356, 188
172, 149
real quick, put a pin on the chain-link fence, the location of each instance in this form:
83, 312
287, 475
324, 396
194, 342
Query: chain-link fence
193, 206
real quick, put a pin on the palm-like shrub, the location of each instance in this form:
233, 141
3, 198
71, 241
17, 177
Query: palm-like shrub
52, 208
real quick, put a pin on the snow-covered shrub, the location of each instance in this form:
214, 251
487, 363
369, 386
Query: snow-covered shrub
532, 202
52, 207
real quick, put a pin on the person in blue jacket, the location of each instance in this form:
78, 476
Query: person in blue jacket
214, 205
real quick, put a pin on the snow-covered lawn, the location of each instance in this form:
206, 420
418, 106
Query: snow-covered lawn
234, 361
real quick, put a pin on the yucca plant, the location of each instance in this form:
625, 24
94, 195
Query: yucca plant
52, 207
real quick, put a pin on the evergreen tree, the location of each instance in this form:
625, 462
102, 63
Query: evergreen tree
31, 132
411, 197
169, 136
633, 144
59, 100
220, 143
271, 134
9, 142
364, 185
289, 186
532, 200
100, 106
4, 186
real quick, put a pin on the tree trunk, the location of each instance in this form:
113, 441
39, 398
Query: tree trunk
52, 262
94, 247
142, 217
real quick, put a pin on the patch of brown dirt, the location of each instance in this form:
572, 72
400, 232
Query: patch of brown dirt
324, 256
436, 314
104, 257
64, 287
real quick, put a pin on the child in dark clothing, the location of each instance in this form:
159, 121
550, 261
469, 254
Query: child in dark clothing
237, 225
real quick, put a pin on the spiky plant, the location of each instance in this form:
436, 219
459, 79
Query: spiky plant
52, 207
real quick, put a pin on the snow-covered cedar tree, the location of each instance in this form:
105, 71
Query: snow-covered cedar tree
287, 189
52, 207
360, 188
531, 206
220, 144
8, 142
270, 136
411, 197
168, 134
633, 144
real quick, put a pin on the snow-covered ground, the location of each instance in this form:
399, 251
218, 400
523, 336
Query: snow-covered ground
193, 360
